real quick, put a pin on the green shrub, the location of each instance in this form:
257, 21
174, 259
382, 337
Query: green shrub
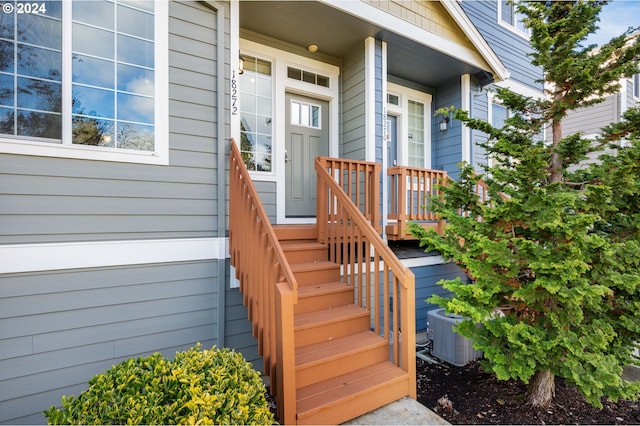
205, 387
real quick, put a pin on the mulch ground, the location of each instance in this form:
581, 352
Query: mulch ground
468, 395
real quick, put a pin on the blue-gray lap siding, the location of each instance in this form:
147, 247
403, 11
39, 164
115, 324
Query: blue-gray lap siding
446, 146
426, 285
511, 48
352, 118
60, 328
427, 278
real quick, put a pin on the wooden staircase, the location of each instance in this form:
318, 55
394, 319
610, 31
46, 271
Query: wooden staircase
332, 308
342, 368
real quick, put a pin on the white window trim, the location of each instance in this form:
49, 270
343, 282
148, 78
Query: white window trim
635, 85
514, 29
33, 146
402, 112
280, 60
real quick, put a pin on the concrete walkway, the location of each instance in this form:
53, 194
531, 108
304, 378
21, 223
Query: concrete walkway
405, 411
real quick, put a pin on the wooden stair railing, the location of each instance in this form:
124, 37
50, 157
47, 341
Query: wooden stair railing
383, 285
268, 285
360, 181
411, 193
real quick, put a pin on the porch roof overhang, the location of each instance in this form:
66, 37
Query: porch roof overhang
337, 26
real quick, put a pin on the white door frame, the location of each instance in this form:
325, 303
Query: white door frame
401, 112
280, 61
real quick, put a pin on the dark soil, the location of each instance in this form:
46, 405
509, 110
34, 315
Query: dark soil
468, 395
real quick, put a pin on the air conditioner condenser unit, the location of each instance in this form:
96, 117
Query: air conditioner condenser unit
448, 345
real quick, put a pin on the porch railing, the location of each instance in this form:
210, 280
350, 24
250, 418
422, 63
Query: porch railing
268, 285
360, 181
382, 284
411, 195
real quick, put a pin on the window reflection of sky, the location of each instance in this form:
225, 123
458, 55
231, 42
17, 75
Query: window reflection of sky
98, 13
6, 25
92, 101
42, 63
38, 94
110, 56
39, 30
135, 51
135, 22
135, 80
95, 71
6, 90
135, 108
92, 41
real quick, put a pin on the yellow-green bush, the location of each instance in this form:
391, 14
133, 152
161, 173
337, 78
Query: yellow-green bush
205, 387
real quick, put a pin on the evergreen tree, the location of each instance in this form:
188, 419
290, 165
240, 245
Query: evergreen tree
555, 254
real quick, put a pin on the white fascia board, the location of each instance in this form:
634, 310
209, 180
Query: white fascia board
17, 258
500, 72
521, 89
400, 26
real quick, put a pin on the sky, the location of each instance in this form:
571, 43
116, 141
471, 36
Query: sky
616, 17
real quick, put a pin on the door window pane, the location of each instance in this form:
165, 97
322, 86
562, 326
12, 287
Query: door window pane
304, 114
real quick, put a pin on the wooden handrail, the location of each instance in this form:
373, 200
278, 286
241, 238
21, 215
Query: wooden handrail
360, 181
382, 284
268, 285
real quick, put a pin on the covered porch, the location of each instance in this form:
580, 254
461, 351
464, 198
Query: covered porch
376, 72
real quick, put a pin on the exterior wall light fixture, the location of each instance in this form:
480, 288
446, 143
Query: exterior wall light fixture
240, 65
444, 123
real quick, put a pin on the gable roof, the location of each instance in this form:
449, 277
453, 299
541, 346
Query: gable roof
500, 72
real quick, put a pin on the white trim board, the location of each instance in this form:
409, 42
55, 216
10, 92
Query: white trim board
17, 258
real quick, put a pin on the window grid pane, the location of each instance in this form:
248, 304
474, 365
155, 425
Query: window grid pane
113, 88
31, 74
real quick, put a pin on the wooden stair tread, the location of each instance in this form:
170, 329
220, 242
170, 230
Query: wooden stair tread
323, 288
337, 348
350, 386
337, 314
313, 266
292, 245
296, 231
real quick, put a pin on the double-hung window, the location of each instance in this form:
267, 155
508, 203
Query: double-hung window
636, 86
84, 79
508, 16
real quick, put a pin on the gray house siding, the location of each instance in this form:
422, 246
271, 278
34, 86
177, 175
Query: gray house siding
238, 329
56, 200
446, 146
427, 278
379, 100
60, 328
268, 192
511, 48
589, 121
353, 105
